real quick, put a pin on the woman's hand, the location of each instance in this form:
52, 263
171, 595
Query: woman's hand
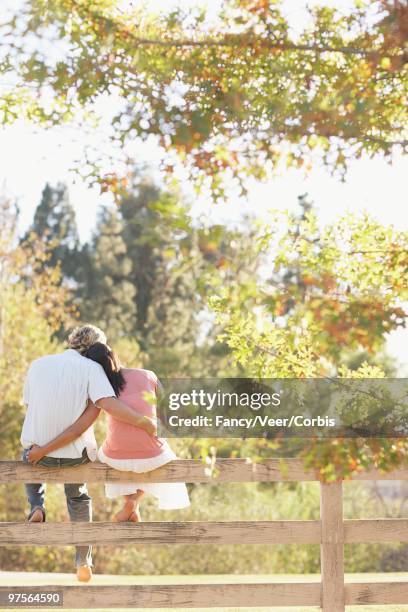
35, 454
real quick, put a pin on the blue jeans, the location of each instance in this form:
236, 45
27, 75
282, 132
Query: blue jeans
78, 501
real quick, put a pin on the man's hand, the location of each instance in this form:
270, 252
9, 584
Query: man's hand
35, 454
86, 420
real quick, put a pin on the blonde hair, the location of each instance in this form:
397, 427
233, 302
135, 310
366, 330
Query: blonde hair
81, 338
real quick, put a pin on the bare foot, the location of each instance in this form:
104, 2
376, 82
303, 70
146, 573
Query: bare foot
124, 514
84, 573
37, 516
135, 516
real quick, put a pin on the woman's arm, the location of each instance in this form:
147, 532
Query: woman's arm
87, 418
122, 412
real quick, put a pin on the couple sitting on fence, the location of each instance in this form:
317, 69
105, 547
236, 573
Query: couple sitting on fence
64, 395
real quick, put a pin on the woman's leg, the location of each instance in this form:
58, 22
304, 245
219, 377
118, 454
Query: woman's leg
130, 510
136, 497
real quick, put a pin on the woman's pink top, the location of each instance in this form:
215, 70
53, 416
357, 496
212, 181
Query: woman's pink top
124, 441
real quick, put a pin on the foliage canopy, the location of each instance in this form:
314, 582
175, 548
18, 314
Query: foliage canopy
230, 96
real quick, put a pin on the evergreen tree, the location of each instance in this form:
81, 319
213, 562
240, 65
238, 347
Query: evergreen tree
108, 294
54, 222
158, 235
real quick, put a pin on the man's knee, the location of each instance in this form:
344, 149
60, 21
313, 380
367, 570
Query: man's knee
77, 491
79, 502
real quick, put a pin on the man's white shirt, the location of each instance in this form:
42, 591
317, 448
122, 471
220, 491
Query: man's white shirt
56, 392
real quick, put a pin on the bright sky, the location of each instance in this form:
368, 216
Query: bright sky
30, 156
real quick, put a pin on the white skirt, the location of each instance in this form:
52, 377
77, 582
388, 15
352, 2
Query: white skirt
170, 495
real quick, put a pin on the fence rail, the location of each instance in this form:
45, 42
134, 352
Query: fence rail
182, 470
214, 532
331, 532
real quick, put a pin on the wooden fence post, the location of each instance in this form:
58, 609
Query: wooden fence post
332, 547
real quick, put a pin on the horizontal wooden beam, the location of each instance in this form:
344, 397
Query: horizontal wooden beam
400, 474
122, 534
297, 594
180, 595
183, 470
376, 593
376, 530
214, 532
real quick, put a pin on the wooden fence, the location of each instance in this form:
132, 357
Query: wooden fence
331, 532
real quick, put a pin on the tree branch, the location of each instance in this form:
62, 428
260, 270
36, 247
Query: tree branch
246, 40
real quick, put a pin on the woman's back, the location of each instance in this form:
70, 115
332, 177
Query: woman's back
125, 441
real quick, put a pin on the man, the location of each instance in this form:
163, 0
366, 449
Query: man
64, 394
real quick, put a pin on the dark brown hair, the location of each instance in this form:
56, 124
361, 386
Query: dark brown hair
103, 354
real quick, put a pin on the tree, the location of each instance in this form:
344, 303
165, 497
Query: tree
107, 294
54, 222
330, 294
230, 99
159, 236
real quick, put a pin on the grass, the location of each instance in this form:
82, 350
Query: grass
38, 579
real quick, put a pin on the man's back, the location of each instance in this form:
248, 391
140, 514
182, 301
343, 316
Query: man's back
56, 392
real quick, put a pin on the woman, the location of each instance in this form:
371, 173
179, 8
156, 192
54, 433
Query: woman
130, 448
